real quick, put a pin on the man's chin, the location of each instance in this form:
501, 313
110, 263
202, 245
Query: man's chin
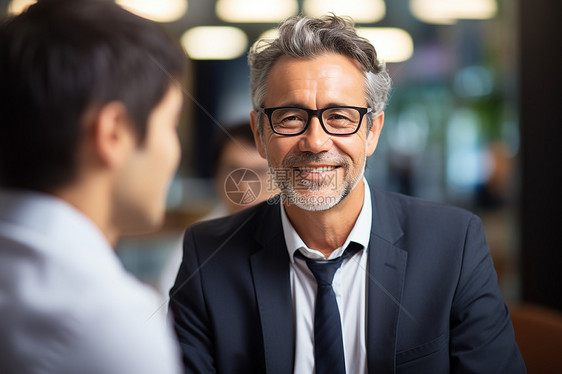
312, 200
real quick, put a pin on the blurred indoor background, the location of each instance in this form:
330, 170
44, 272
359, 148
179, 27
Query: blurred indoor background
472, 118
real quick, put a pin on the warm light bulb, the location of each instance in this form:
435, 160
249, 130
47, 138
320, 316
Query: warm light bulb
18, 6
214, 42
269, 34
358, 10
256, 10
392, 44
448, 11
156, 10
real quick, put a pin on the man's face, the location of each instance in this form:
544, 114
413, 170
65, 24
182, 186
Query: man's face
143, 182
316, 170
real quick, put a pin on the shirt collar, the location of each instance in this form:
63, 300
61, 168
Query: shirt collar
360, 233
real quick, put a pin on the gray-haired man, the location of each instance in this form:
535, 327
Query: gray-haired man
335, 276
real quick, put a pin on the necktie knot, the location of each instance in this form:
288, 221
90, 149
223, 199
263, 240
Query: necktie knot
324, 271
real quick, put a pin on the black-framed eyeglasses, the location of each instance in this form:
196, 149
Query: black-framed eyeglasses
336, 120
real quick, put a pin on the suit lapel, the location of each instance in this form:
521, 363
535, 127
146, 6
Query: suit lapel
387, 267
270, 269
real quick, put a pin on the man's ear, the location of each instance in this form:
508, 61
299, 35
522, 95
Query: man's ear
113, 136
374, 133
257, 135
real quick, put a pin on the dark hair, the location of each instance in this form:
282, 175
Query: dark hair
61, 58
239, 131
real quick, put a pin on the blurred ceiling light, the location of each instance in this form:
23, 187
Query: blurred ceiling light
214, 42
392, 44
256, 10
436, 19
265, 38
156, 10
359, 10
269, 34
448, 11
18, 6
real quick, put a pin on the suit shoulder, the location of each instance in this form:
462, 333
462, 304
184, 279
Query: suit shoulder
408, 207
243, 223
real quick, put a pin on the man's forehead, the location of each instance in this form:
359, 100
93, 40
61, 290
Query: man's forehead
322, 64
335, 77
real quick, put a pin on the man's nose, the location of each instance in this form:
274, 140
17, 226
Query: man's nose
315, 139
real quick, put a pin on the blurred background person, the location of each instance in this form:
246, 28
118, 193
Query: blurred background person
235, 150
241, 179
88, 147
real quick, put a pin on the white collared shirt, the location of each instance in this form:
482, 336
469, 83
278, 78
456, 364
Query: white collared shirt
349, 285
66, 303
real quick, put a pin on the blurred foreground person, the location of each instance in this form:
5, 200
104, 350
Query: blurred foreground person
88, 147
336, 276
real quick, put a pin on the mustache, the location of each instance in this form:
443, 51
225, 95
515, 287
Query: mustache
293, 159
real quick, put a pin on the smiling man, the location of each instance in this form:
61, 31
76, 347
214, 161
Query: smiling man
335, 276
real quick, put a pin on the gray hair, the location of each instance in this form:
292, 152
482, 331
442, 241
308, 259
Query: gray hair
304, 37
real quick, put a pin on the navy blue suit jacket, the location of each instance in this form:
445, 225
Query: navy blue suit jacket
433, 302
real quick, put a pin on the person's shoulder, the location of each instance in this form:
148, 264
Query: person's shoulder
98, 320
241, 233
144, 343
425, 228
243, 222
414, 208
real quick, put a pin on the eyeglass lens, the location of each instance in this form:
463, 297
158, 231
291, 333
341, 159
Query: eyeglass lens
336, 120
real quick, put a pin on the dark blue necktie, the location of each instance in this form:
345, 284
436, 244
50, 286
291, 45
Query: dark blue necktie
328, 342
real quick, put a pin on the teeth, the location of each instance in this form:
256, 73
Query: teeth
317, 170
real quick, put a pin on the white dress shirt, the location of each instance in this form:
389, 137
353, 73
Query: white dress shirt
67, 306
349, 285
